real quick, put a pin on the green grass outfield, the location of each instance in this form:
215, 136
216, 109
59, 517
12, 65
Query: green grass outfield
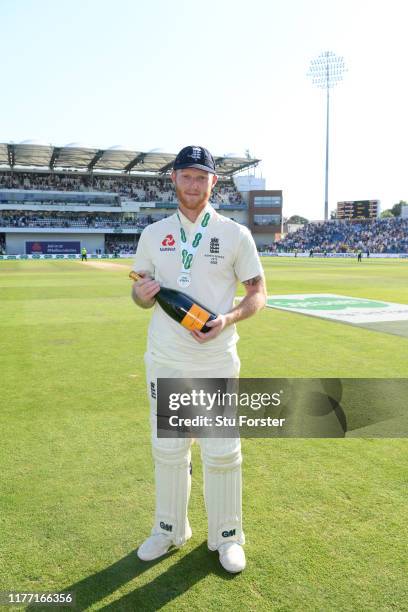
325, 520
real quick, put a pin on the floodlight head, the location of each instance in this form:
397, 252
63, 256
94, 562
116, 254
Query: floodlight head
326, 70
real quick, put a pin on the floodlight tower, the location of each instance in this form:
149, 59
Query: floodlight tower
326, 71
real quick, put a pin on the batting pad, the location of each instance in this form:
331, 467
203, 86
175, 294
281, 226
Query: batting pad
223, 490
173, 486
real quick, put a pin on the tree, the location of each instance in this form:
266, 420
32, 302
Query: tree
396, 209
297, 219
386, 213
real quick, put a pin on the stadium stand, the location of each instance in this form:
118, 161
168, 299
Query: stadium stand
130, 188
56, 200
65, 219
377, 236
55, 197
116, 245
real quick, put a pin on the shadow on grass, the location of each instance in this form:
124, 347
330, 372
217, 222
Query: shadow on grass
176, 580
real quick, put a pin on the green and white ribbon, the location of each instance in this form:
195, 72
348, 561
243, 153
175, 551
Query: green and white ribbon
188, 250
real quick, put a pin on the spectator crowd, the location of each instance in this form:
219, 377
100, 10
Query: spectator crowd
120, 245
389, 235
128, 187
133, 188
45, 219
376, 236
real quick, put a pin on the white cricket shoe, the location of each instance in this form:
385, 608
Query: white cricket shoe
154, 547
232, 557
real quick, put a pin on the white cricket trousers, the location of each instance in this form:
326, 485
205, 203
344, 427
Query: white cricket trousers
221, 459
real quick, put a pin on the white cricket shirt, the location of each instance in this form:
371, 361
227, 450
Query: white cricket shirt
226, 255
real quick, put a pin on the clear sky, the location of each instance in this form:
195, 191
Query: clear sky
229, 75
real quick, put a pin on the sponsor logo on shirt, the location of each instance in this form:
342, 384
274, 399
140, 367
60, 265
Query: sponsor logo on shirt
168, 243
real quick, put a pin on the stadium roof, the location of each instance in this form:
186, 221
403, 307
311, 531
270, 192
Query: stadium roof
31, 154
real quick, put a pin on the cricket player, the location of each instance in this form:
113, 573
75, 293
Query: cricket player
223, 253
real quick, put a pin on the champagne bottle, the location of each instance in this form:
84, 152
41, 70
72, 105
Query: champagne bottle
182, 308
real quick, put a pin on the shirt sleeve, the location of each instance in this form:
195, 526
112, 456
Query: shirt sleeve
247, 263
143, 260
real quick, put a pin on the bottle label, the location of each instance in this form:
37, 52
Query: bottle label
196, 318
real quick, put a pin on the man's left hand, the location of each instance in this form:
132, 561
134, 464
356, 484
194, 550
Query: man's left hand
217, 325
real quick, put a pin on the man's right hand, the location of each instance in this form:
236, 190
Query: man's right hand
144, 290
